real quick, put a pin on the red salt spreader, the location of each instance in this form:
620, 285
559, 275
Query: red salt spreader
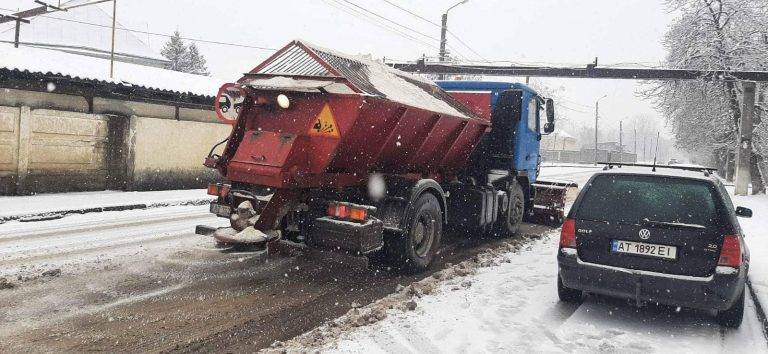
347, 154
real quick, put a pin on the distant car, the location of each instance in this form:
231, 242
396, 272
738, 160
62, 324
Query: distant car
673, 162
668, 237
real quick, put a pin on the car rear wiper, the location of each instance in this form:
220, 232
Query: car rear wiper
667, 224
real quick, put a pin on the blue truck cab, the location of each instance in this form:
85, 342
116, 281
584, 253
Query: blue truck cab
515, 111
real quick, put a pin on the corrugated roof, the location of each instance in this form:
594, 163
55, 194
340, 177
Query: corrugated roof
369, 76
50, 62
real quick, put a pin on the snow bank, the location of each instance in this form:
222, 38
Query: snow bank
756, 235
51, 203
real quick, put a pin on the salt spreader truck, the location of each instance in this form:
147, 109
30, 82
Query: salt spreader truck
344, 153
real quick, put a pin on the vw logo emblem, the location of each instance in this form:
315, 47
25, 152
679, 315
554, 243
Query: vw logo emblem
644, 234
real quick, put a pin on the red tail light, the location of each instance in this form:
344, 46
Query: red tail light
730, 253
218, 189
568, 234
348, 211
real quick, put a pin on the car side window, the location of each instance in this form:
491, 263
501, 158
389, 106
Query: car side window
533, 111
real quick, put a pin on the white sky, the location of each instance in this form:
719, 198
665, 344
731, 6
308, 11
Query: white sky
547, 31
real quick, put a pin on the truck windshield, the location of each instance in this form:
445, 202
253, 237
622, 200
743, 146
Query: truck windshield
649, 199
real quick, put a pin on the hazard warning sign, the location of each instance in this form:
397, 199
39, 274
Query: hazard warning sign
325, 124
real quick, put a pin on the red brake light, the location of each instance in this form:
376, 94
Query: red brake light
568, 234
730, 253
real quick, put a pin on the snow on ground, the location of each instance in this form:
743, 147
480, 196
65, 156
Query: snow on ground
756, 235
49, 203
513, 307
80, 242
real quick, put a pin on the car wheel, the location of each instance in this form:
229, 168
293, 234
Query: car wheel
415, 250
567, 294
732, 317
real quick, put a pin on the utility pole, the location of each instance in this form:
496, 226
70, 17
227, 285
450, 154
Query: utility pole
112, 53
744, 151
621, 142
443, 32
634, 141
644, 137
596, 115
19, 20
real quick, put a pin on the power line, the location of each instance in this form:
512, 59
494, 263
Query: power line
351, 11
390, 21
155, 33
437, 25
397, 24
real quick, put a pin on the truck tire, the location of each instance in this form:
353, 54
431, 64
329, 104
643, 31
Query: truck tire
732, 317
414, 250
511, 220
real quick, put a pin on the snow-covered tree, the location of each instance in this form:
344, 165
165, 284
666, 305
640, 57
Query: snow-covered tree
182, 57
712, 35
196, 61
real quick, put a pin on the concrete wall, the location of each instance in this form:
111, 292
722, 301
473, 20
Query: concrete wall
51, 143
169, 153
9, 147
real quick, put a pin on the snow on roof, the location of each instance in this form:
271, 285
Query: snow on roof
300, 58
42, 61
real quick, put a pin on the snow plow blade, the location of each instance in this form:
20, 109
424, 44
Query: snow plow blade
549, 201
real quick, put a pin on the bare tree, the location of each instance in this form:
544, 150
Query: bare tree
712, 35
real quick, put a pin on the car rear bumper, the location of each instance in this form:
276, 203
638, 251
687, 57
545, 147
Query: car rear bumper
716, 292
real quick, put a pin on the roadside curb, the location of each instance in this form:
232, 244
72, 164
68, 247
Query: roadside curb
58, 214
759, 310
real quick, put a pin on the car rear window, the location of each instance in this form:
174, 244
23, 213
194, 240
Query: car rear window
634, 199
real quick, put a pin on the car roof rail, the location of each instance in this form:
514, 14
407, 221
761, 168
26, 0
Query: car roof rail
707, 170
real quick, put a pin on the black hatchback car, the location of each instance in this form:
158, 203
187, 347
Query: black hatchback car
667, 236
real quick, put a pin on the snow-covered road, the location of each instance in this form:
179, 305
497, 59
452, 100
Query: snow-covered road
78, 241
513, 307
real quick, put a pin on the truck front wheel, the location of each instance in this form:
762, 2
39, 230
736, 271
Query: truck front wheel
415, 249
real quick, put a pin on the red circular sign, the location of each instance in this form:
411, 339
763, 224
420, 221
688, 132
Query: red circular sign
229, 102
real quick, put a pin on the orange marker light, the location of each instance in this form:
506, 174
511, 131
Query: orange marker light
358, 214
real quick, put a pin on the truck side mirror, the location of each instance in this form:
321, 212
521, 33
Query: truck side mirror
549, 104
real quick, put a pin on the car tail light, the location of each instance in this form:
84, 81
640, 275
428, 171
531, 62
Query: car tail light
730, 253
218, 189
568, 234
347, 211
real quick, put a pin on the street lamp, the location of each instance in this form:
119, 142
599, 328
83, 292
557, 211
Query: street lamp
596, 106
444, 29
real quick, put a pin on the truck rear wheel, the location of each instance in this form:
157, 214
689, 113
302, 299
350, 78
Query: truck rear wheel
510, 223
415, 249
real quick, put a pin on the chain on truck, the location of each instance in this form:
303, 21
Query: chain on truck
346, 154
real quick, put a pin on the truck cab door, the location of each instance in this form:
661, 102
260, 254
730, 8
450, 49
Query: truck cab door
528, 137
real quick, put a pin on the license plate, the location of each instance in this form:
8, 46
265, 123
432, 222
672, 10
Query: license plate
644, 249
221, 210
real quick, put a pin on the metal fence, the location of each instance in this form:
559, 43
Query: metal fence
586, 156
